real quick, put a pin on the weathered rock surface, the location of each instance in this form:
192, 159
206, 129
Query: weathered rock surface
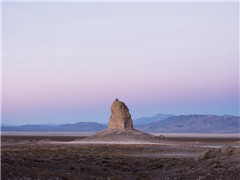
120, 117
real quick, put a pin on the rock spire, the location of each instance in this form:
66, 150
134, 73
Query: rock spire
120, 118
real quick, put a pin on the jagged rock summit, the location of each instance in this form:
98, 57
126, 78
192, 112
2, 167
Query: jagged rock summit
120, 117
120, 128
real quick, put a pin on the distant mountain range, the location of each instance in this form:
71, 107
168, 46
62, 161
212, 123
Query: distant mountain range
161, 123
147, 120
78, 127
194, 123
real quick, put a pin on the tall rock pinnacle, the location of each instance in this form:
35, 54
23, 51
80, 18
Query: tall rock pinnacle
120, 117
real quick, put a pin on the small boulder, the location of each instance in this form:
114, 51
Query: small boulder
208, 154
227, 150
162, 136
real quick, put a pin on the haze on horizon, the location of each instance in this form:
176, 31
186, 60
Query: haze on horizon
67, 62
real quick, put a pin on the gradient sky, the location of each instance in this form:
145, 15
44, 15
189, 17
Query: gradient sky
67, 62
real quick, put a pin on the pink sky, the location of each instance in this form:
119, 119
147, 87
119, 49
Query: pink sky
67, 62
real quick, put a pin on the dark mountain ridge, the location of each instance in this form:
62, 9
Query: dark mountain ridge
194, 124
77, 127
147, 120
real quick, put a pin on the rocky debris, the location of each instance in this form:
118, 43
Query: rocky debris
214, 165
212, 153
120, 116
117, 161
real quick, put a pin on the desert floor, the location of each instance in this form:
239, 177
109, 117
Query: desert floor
54, 157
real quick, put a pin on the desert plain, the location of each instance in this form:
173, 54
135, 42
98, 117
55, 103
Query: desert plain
66, 156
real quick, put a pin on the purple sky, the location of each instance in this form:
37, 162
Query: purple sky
67, 62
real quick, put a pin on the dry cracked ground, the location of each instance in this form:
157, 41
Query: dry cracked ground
35, 157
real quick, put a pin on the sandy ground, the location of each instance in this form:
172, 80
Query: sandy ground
62, 157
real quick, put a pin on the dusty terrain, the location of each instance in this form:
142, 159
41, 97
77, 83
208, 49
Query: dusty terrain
127, 136
37, 157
